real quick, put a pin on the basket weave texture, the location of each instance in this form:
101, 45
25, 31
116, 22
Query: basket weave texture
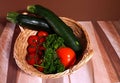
21, 44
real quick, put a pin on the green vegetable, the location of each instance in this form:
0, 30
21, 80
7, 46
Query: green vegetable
53, 41
51, 62
29, 21
58, 26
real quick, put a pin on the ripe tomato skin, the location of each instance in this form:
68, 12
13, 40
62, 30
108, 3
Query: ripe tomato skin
41, 47
42, 34
31, 49
35, 49
41, 69
41, 40
67, 56
32, 58
33, 40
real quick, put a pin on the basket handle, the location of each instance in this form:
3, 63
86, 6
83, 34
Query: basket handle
21, 28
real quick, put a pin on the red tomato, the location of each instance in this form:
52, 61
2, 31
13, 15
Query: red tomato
40, 61
32, 48
33, 40
41, 47
40, 52
42, 34
67, 56
41, 69
32, 58
42, 39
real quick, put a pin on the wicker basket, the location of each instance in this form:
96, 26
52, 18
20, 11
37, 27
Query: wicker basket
21, 45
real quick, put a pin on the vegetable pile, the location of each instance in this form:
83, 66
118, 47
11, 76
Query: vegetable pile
53, 49
48, 53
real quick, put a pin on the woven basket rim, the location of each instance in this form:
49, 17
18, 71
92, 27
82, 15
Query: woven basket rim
87, 56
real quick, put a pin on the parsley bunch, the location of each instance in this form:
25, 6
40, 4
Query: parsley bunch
51, 62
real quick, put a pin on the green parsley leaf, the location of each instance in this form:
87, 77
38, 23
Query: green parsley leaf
51, 62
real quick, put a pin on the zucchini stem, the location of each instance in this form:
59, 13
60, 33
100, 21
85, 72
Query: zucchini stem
12, 17
31, 8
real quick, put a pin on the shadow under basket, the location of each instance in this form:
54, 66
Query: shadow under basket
21, 44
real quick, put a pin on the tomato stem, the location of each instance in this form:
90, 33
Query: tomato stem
36, 65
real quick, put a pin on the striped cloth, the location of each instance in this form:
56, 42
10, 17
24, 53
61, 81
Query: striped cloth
104, 67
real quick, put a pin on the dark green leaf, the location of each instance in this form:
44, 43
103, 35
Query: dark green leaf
51, 61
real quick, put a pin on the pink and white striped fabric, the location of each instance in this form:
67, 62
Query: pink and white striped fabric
104, 67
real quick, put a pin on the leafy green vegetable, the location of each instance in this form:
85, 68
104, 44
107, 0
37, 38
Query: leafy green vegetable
51, 62
53, 41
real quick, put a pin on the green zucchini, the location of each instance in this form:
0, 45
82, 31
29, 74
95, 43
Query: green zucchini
58, 26
29, 21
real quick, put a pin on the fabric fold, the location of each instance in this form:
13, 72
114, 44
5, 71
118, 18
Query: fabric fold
5, 47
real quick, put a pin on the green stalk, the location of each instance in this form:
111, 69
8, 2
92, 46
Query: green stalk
12, 17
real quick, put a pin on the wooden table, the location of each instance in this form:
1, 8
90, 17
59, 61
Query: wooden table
104, 67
